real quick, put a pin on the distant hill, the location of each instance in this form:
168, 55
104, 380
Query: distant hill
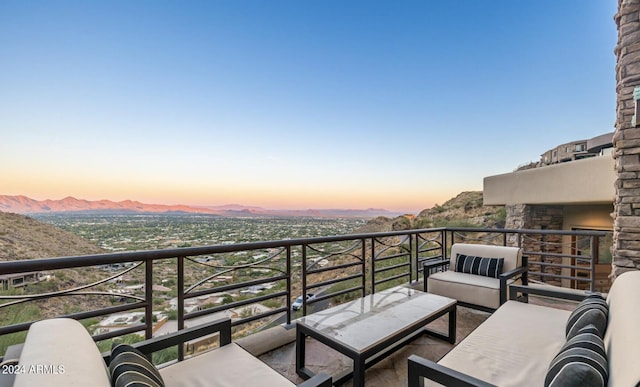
464, 210
335, 213
24, 238
25, 205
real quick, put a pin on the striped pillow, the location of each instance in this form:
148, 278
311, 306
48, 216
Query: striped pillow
488, 267
582, 361
592, 310
130, 368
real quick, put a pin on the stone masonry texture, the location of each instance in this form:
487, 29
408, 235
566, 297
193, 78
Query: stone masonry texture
626, 234
537, 217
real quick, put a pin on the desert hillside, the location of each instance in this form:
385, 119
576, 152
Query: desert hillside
464, 210
22, 237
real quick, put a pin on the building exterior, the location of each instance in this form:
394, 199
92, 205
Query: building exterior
577, 150
14, 281
574, 191
626, 238
626, 144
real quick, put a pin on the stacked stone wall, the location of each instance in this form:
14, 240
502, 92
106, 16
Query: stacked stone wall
626, 235
537, 217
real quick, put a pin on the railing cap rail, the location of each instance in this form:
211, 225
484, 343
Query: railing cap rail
598, 233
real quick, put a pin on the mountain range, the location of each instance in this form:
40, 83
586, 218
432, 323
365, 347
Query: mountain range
24, 205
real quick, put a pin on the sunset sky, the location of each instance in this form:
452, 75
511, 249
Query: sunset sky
294, 104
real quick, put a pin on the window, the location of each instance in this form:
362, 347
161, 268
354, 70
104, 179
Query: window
580, 147
606, 152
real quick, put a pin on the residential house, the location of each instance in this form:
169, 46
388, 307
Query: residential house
572, 188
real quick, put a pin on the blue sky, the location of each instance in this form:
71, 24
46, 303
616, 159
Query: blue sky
289, 104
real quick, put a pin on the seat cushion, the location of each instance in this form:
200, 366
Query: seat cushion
60, 352
229, 365
513, 347
622, 339
469, 288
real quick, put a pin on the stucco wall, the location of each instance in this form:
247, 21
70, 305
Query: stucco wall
577, 182
597, 217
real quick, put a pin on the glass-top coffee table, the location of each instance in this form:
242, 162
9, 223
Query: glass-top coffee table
370, 328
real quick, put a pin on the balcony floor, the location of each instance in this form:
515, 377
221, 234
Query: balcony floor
391, 371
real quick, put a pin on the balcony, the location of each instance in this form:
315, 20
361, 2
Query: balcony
136, 295
566, 183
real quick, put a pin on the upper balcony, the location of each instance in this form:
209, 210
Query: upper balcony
585, 181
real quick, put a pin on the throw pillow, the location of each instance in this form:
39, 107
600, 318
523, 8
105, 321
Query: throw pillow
130, 368
592, 310
488, 267
582, 361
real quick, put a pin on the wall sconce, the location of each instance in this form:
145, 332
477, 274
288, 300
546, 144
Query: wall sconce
636, 107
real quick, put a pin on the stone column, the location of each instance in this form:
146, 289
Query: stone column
626, 234
537, 217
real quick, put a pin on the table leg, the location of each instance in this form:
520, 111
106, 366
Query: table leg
358, 371
300, 353
450, 336
452, 324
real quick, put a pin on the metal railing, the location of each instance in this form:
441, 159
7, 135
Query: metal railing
234, 277
555, 256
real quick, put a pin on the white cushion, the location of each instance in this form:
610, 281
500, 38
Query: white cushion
622, 338
513, 347
464, 287
60, 352
229, 365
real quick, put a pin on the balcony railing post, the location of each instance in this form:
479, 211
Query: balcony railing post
288, 301
180, 305
410, 259
415, 254
595, 251
148, 296
363, 266
373, 266
444, 244
304, 279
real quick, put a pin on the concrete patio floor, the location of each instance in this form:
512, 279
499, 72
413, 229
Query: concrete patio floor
391, 371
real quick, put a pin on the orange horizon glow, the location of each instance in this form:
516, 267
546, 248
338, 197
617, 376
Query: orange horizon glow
157, 186
266, 198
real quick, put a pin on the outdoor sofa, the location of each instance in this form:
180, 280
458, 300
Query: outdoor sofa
60, 352
477, 275
517, 345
